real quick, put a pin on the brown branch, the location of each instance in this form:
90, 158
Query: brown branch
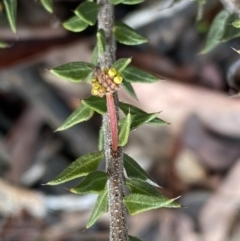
113, 154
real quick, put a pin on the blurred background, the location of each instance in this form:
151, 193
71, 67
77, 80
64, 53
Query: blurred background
196, 156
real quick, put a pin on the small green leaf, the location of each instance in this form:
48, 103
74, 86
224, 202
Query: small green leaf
216, 31
141, 187
131, 2
96, 103
115, 2
140, 117
3, 44
125, 124
75, 71
82, 113
121, 64
128, 87
138, 203
94, 59
100, 139
75, 24
132, 238
230, 32
48, 5
88, 12
134, 170
11, 11
132, 75
100, 208
236, 23
126, 35
79, 168
94, 182
101, 40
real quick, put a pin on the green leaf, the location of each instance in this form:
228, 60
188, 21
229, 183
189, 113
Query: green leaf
131, 2
75, 71
3, 44
100, 208
216, 31
236, 23
132, 75
80, 167
121, 64
94, 182
132, 238
11, 11
126, 35
75, 24
230, 31
88, 12
125, 124
82, 113
48, 5
141, 187
140, 117
101, 40
128, 87
138, 203
115, 2
100, 139
96, 103
94, 59
134, 170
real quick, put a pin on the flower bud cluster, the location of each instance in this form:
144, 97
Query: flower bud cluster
105, 81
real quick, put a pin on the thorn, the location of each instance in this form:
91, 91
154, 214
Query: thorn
238, 51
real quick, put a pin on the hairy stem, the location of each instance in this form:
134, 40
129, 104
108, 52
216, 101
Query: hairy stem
113, 154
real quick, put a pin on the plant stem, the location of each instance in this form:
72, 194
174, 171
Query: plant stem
113, 122
113, 153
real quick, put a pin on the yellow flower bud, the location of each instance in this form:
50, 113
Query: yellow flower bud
94, 91
118, 79
112, 72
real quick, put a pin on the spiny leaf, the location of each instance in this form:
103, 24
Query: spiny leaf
121, 64
115, 2
132, 238
48, 5
96, 103
75, 24
82, 113
128, 87
216, 31
141, 187
100, 208
132, 75
125, 124
101, 40
11, 11
134, 170
138, 203
75, 71
94, 182
88, 12
126, 35
81, 167
131, 2
3, 44
139, 116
